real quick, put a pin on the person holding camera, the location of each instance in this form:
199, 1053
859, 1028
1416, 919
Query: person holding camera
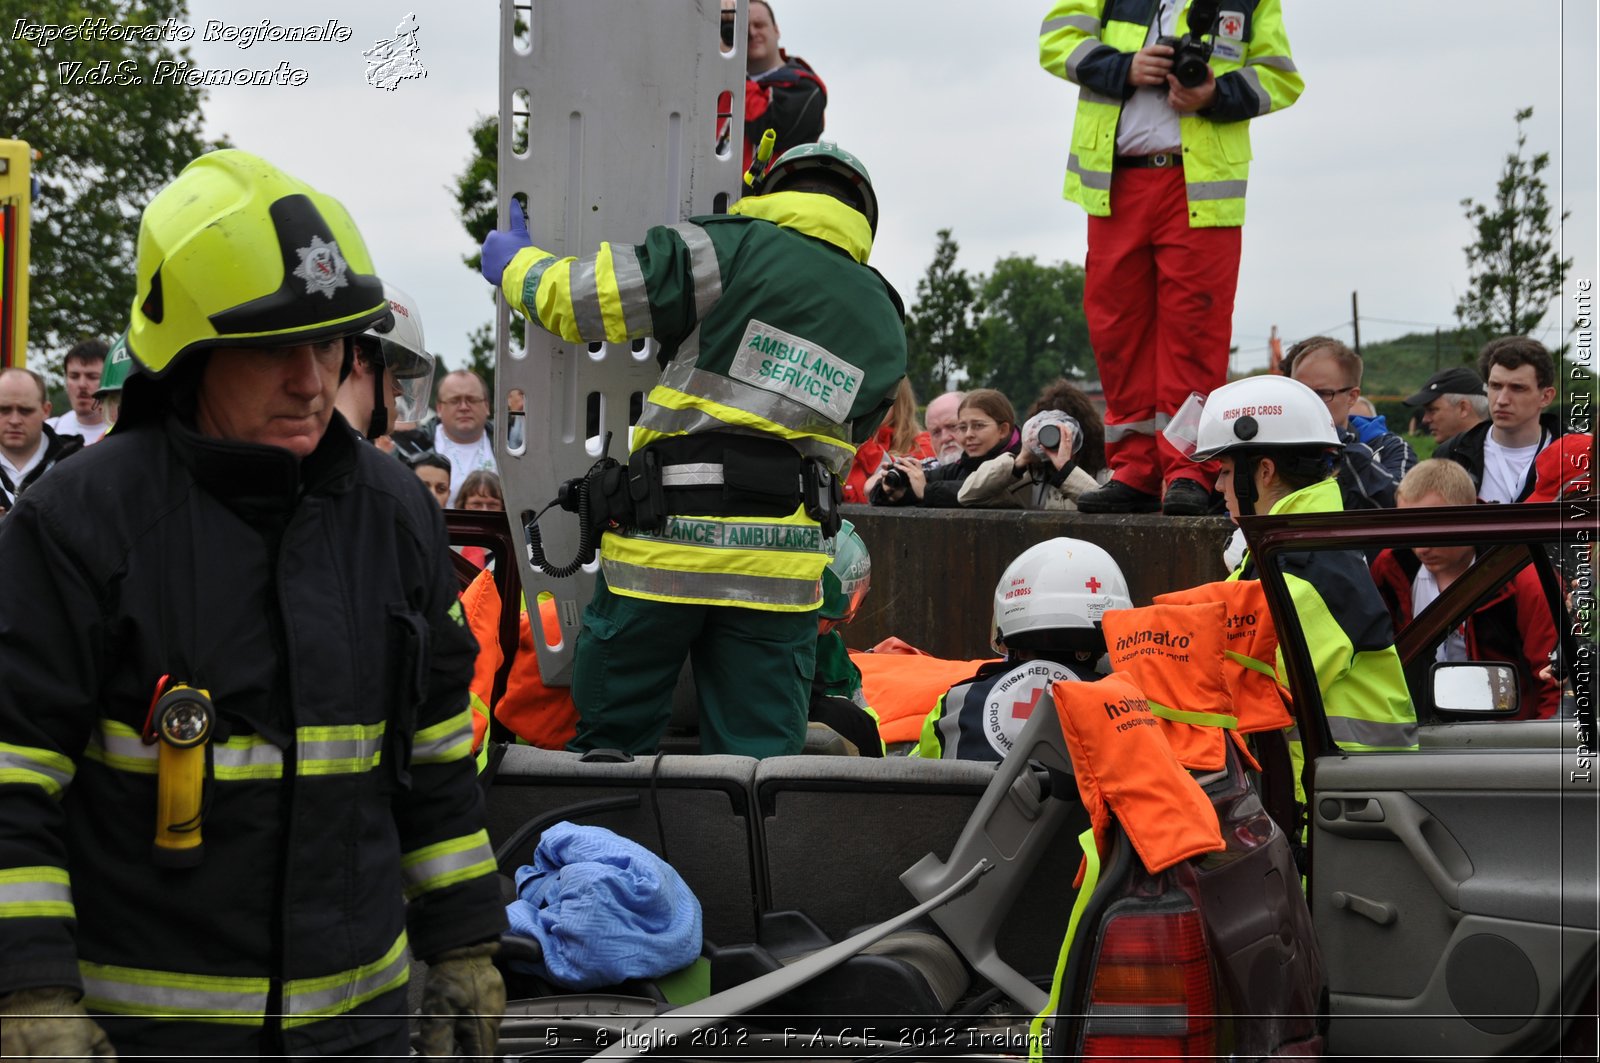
781, 92
1042, 474
1159, 159
987, 429
898, 434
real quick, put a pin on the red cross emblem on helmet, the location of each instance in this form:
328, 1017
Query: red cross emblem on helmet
1093, 584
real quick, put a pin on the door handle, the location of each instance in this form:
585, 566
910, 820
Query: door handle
1377, 911
1395, 816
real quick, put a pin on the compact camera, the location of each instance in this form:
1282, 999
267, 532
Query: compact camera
1191, 56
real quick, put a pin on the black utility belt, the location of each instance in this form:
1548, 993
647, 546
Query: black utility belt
726, 475
1160, 160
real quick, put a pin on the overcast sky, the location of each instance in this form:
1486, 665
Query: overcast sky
1408, 109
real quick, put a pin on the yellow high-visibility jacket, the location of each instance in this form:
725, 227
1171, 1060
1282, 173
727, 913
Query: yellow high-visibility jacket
1091, 44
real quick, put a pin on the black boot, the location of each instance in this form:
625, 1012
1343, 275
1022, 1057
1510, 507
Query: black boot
1186, 498
1118, 497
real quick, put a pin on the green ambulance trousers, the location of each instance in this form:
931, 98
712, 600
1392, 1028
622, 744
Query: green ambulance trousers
752, 669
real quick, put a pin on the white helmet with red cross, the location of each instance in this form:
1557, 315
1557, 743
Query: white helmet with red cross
1057, 585
1263, 413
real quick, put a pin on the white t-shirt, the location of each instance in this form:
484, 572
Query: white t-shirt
1148, 125
1424, 589
1505, 469
69, 425
15, 473
465, 458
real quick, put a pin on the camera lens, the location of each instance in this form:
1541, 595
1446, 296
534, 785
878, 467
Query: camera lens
1050, 436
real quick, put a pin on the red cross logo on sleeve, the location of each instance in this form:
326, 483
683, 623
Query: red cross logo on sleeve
1230, 27
1093, 584
1021, 710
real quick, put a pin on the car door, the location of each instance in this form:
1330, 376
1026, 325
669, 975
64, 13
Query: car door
1453, 888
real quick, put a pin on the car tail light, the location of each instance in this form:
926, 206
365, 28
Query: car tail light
1153, 997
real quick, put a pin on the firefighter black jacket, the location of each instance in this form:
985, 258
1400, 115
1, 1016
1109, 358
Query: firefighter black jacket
315, 602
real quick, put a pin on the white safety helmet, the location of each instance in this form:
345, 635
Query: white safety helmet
397, 344
1261, 413
1057, 585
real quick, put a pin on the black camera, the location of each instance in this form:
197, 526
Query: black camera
1050, 436
896, 480
727, 28
1191, 56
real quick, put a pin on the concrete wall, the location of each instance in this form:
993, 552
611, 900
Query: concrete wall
934, 571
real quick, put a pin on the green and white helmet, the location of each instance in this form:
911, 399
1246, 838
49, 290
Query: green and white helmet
119, 366
822, 155
847, 578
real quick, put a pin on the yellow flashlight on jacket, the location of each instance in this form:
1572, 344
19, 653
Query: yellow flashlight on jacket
182, 722
763, 155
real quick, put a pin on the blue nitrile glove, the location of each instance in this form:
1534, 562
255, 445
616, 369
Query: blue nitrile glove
502, 245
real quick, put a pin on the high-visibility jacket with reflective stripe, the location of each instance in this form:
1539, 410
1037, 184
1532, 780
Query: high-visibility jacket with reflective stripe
316, 603
1091, 44
770, 325
1348, 634
978, 719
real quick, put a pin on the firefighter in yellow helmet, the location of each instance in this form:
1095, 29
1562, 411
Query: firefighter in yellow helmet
236, 784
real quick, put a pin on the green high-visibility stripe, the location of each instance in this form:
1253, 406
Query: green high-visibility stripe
44, 768
447, 863
449, 740
36, 893
309, 999
1091, 878
1203, 719
1252, 664
196, 997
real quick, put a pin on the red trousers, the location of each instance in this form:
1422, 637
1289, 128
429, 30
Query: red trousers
1158, 296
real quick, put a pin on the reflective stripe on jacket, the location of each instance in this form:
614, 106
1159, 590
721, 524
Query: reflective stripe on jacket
979, 719
1348, 634
770, 325
1091, 42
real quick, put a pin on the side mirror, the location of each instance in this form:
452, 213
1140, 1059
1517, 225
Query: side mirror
1475, 687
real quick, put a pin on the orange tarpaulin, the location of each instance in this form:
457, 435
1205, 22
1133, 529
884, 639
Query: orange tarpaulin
540, 715
902, 684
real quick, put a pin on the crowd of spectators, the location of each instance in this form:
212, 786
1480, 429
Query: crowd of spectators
965, 450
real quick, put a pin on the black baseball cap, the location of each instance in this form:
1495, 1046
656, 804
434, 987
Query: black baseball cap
1457, 380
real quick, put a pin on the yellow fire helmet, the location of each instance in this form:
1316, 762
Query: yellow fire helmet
237, 253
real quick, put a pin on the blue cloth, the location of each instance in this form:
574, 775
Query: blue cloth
604, 908
1368, 428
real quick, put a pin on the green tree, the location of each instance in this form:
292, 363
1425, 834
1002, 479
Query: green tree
940, 338
1513, 267
104, 151
1031, 327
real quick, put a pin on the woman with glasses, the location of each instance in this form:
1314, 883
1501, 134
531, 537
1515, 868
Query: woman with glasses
987, 428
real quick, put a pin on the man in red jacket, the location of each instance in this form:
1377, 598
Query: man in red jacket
1515, 626
781, 92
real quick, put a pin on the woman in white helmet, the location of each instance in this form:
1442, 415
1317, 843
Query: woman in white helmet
1278, 447
1047, 611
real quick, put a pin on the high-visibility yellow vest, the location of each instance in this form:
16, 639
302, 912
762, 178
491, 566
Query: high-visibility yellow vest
1090, 42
